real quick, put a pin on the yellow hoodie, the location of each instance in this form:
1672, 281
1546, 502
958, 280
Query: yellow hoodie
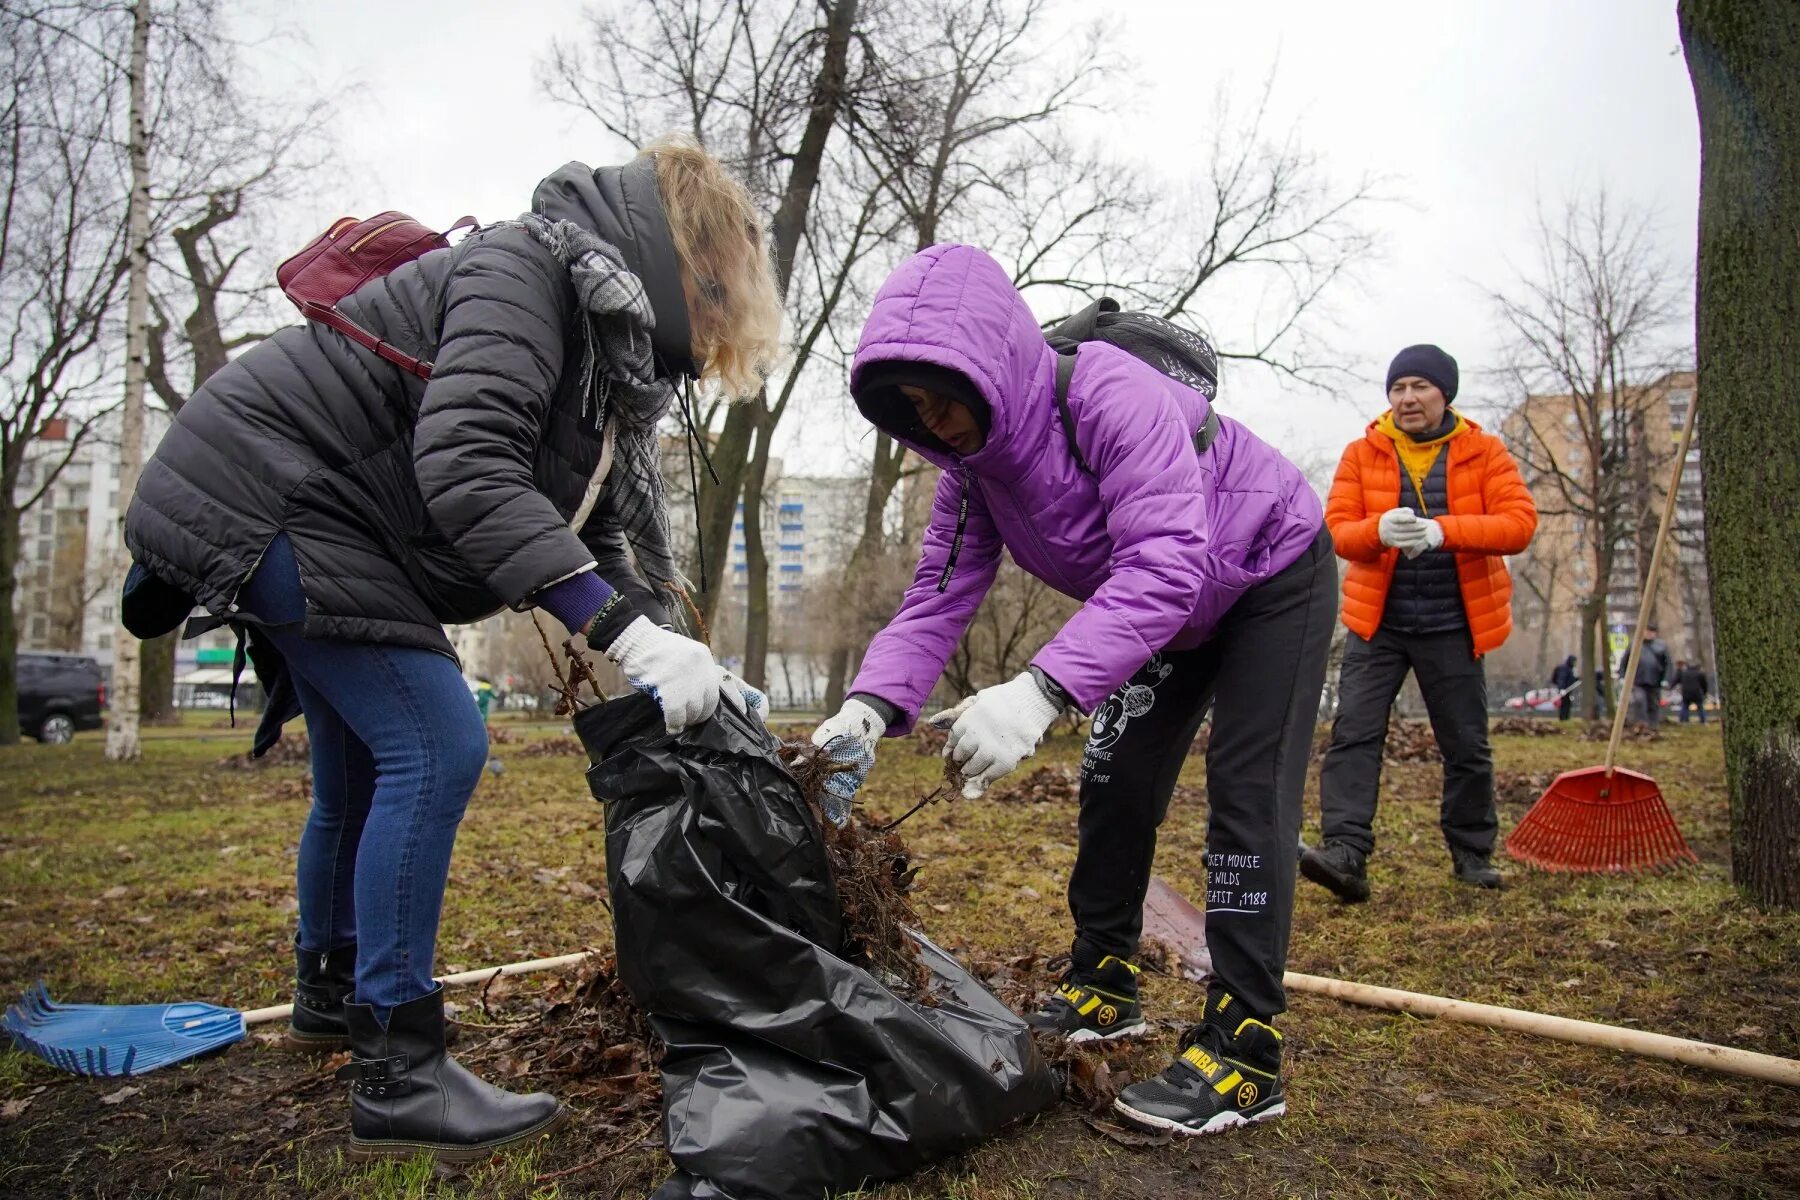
1416, 458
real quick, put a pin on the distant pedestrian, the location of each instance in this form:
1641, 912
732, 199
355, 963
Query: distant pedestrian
1563, 679
1654, 672
1424, 507
1695, 687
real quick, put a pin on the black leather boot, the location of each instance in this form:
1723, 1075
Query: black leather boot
322, 982
409, 1095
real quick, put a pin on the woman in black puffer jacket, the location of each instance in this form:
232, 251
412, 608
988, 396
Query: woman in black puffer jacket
339, 511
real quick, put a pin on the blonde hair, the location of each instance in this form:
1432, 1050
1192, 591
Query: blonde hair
734, 309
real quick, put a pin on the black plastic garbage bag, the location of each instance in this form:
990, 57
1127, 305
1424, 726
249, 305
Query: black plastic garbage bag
790, 1072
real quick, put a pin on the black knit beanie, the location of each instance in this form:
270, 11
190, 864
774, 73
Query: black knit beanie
1427, 362
877, 394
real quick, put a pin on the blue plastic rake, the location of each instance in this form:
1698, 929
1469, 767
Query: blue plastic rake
110, 1040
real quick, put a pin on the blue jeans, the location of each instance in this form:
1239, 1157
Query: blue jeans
397, 749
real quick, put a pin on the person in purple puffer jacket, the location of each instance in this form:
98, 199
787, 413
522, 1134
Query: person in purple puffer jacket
1206, 575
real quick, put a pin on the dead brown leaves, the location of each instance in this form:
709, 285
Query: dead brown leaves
1049, 784
293, 749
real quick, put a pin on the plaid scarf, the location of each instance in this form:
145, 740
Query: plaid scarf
620, 385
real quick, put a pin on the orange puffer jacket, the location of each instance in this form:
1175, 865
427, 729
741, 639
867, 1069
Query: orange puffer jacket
1491, 514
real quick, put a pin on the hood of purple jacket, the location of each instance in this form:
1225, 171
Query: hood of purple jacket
1159, 541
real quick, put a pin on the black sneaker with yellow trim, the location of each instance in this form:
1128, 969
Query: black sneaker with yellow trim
1228, 1074
1096, 1005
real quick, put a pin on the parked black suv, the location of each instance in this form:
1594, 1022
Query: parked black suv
58, 694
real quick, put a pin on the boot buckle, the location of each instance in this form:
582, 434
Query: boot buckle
377, 1078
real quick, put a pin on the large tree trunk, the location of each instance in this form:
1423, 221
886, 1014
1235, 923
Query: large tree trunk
756, 563
9, 626
122, 727
717, 504
1593, 657
1744, 56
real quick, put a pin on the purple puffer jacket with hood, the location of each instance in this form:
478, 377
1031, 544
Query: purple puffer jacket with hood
1159, 542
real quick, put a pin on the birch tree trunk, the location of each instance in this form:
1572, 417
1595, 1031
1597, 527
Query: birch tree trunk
122, 724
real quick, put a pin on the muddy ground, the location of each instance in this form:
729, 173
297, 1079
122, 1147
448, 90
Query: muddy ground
171, 880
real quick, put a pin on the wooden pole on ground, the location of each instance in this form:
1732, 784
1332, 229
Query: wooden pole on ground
1726, 1059
281, 1012
1564, 1029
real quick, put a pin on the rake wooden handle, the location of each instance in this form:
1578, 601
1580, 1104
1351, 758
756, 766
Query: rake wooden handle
1727, 1059
281, 1012
1649, 588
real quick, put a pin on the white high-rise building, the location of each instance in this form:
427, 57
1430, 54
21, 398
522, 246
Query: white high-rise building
72, 557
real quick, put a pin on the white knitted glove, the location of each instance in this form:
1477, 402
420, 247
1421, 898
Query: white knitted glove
678, 672
1399, 527
995, 730
1430, 537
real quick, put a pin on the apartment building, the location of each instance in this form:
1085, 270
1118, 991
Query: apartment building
1554, 578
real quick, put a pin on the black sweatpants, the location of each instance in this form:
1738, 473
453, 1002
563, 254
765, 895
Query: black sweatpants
1262, 673
1455, 689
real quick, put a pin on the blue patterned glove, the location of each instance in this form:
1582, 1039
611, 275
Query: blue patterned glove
848, 738
745, 698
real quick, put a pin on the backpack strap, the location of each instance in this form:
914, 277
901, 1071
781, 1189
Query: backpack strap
1065, 371
1209, 429
329, 316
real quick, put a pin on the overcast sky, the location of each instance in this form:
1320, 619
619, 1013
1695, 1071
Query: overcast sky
1474, 112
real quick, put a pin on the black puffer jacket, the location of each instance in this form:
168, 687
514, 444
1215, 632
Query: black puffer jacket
1426, 594
412, 506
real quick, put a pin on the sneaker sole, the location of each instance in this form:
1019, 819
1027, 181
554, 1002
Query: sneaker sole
1220, 1123
1112, 1035
1345, 888
364, 1151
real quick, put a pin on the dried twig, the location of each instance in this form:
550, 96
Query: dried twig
590, 1164
937, 794
568, 699
580, 670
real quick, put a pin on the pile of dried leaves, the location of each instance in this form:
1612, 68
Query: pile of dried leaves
1049, 784
584, 1040
551, 747
293, 750
1635, 731
1410, 742
1524, 726
1091, 1074
873, 873
1520, 787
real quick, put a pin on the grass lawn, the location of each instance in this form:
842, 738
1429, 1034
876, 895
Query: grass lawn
172, 879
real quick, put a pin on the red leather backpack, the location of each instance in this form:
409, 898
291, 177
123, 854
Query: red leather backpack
348, 255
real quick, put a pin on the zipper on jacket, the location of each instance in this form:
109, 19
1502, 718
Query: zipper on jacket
956, 543
1037, 540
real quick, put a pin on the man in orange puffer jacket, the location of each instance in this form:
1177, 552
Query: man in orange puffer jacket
1424, 506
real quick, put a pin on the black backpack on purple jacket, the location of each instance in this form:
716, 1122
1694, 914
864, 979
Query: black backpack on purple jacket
1181, 354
